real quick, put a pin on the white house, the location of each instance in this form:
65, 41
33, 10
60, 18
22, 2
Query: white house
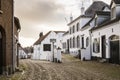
106, 35
65, 42
22, 53
45, 48
78, 36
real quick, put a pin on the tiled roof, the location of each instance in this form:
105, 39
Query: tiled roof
98, 13
96, 6
81, 16
59, 32
66, 33
106, 23
44, 36
102, 13
41, 39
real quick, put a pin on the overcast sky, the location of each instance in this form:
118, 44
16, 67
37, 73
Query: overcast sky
44, 15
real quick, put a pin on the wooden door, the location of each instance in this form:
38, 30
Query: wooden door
114, 52
68, 47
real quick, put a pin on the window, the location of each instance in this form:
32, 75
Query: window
73, 42
73, 29
82, 42
78, 41
64, 45
70, 43
70, 30
96, 45
47, 47
77, 26
87, 42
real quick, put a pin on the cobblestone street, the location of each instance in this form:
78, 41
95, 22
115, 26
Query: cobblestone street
70, 69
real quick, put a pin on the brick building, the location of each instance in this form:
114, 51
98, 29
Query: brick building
7, 37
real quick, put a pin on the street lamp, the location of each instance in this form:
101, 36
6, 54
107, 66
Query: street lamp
53, 41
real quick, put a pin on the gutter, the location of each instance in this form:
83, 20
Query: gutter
13, 36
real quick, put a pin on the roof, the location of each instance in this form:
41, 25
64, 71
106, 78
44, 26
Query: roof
44, 36
98, 13
116, 2
41, 39
103, 13
106, 23
17, 23
59, 32
96, 6
81, 16
66, 33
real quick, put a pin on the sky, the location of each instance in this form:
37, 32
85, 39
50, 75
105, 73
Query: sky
45, 15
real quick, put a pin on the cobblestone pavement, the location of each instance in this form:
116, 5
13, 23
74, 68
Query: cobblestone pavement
70, 69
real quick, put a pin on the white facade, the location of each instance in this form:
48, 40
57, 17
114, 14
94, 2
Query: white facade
65, 43
75, 37
108, 31
41, 53
22, 54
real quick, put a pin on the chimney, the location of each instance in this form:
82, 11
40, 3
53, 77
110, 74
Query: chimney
41, 34
71, 18
82, 9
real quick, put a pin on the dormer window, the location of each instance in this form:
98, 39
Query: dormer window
113, 13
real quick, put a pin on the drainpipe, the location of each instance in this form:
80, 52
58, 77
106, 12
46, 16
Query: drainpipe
90, 32
12, 37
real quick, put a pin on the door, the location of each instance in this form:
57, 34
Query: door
68, 47
103, 46
79, 54
114, 52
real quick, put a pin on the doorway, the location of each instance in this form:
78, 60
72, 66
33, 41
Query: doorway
114, 49
103, 45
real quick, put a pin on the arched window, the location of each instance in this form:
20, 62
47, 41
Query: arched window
96, 45
78, 41
87, 41
114, 37
73, 29
74, 42
70, 42
82, 42
77, 26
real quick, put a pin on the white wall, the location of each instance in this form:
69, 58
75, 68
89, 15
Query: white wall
107, 31
47, 55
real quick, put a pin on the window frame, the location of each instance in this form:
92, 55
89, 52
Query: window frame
96, 45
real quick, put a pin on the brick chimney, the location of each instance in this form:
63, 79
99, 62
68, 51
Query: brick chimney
41, 34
